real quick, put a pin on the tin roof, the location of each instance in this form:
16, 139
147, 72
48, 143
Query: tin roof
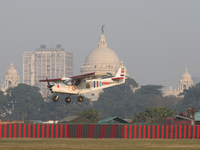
116, 118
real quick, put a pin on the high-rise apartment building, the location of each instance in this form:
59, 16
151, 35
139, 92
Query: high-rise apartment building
46, 62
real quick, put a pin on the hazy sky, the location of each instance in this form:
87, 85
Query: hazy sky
155, 39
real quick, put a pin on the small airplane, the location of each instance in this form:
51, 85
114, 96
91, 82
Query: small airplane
77, 85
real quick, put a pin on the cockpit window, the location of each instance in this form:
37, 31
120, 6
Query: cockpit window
68, 82
77, 82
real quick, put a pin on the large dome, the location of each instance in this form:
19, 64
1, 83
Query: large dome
101, 59
186, 75
11, 71
102, 55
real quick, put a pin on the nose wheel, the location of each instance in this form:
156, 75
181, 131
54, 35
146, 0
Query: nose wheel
80, 98
68, 100
55, 98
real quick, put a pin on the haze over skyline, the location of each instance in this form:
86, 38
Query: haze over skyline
156, 40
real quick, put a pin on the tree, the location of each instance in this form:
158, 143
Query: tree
123, 102
90, 114
61, 109
117, 100
150, 90
191, 98
156, 112
3, 104
25, 102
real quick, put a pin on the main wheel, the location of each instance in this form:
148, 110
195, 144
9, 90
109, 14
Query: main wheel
80, 98
68, 100
55, 98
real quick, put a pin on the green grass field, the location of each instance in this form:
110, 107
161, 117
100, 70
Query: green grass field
98, 144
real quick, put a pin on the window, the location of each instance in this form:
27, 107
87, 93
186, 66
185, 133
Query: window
9, 84
88, 85
68, 82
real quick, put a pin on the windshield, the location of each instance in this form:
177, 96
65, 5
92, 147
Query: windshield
68, 82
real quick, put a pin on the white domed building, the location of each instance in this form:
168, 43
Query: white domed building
101, 59
11, 79
185, 83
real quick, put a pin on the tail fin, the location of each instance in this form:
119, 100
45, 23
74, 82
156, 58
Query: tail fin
120, 75
120, 72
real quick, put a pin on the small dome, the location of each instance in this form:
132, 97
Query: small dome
102, 36
186, 75
11, 71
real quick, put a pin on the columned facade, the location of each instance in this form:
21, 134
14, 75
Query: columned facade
186, 81
11, 79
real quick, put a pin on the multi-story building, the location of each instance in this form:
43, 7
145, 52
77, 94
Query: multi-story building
46, 62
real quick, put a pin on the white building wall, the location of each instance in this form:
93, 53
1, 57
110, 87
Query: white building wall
46, 62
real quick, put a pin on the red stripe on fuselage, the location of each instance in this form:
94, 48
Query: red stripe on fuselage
105, 82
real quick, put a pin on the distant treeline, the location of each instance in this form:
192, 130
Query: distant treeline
25, 102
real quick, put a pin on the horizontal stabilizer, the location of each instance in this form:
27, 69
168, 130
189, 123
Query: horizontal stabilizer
118, 78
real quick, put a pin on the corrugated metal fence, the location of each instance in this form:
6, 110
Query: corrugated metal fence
99, 131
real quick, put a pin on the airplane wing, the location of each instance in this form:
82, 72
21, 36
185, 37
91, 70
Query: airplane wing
73, 77
54, 79
83, 76
99, 73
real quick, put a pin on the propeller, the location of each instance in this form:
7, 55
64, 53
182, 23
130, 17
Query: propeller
49, 85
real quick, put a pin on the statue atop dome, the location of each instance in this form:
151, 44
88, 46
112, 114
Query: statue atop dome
102, 28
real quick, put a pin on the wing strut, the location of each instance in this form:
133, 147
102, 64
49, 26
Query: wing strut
49, 85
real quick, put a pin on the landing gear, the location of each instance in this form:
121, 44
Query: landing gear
68, 100
55, 98
80, 98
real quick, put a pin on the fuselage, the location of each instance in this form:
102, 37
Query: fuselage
85, 86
